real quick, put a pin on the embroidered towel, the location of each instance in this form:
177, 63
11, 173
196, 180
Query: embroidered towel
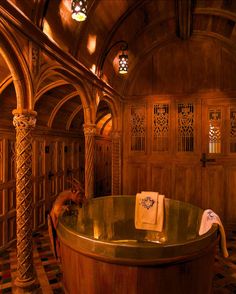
209, 217
149, 211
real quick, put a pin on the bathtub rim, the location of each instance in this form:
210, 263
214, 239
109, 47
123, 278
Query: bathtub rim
154, 253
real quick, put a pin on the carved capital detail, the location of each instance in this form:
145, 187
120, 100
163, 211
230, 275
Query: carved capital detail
89, 130
116, 135
24, 119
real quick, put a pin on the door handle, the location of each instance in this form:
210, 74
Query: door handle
204, 159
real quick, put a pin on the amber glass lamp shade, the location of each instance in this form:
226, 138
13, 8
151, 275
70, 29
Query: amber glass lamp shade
123, 63
79, 9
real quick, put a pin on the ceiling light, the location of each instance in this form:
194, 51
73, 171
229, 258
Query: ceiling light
79, 9
123, 63
123, 58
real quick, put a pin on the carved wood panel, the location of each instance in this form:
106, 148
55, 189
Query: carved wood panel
2, 201
161, 178
39, 189
2, 232
48, 154
11, 229
138, 128
1, 160
11, 160
135, 178
102, 167
190, 153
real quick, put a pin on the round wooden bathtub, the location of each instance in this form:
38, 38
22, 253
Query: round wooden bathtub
102, 252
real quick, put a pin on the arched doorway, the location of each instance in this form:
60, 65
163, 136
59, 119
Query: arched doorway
103, 150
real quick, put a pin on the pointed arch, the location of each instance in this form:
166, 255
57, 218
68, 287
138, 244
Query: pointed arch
82, 87
18, 67
115, 107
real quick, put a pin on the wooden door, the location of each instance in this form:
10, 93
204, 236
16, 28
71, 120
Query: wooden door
184, 148
219, 164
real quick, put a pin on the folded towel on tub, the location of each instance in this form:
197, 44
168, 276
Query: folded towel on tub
149, 211
209, 217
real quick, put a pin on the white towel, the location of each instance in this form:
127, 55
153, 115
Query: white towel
149, 211
209, 217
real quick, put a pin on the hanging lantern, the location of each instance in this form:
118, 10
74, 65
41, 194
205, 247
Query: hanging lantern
79, 9
123, 63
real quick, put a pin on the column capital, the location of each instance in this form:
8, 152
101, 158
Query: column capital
24, 118
116, 134
89, 129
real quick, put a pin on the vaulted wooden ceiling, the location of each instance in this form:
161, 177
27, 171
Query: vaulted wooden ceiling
143, 24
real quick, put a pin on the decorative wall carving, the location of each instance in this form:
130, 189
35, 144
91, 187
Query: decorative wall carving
34, 53
215, 122
160, 127
138, 128
232, 130
185, 127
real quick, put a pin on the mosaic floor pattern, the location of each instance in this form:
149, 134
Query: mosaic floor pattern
49, 274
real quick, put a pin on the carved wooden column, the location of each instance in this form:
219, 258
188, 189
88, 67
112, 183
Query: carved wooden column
116, 163
24, 121
89, 136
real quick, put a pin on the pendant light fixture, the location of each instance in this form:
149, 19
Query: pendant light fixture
123, 63
123, 57
79, 9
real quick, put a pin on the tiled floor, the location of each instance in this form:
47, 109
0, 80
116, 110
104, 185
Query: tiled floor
49, 273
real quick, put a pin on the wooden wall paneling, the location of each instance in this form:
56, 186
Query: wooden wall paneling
102, 167
11, 228
68, 163
136, 178
1, 159
108, 168
10, 191
2, 232
81, 160
39, 193
50, 170
60, 166
229, 196
161, 178
216, 144
76, 158
2, 217
213, 180
11, 157
187, 183
10, 199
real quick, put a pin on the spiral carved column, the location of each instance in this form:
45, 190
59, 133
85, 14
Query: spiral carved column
89, 135
116, 163
24, 121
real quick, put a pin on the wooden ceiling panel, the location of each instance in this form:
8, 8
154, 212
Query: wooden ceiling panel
144, 24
